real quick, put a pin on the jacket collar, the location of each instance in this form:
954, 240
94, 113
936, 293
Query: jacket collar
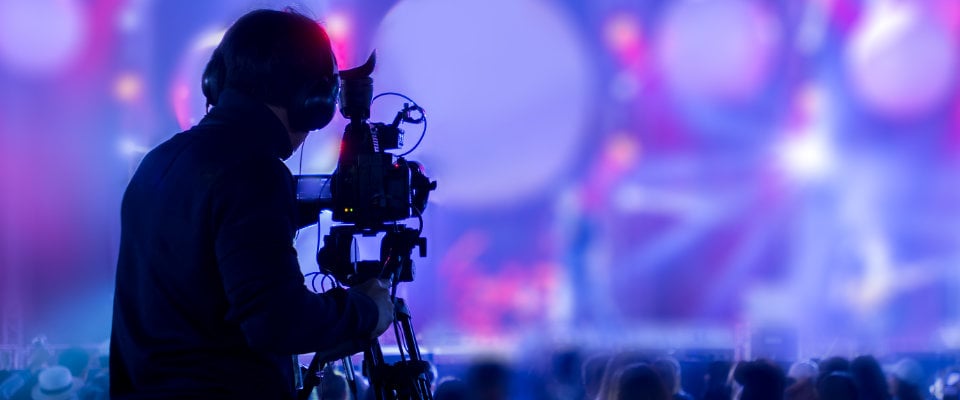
253, 119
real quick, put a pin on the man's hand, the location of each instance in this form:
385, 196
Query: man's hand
378, 290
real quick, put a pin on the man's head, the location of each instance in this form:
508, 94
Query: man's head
282, 59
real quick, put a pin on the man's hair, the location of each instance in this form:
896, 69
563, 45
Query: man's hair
640, 381
669, 370
870, 378
838, 386
760, 379
594, 370
831, 365
273, 56
451, 388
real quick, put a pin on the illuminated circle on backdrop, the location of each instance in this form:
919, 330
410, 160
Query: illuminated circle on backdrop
39, 37
189, 104
507, 86
716, 50
901, 61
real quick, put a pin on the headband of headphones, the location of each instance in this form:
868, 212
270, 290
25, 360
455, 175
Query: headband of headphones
311, 108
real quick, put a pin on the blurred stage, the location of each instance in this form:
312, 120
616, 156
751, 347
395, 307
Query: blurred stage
669, 173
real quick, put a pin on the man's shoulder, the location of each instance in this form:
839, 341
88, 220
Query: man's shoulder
211, 150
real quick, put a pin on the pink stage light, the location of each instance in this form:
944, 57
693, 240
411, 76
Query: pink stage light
189, 105
339, 28
128, 87
624, 37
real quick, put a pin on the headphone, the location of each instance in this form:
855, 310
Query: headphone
311, 108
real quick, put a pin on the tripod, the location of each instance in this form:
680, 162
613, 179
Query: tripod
405, 379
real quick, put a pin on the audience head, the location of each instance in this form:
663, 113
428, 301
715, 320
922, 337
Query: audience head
831, 365
802, 389
949, 385
837, 386
593, 372
565, 365
906, 380
639, 382
450, 388
803, 370
55, 383
760, 380
870, 379
669, 370
77, 360
616, 365
715, 381
333, 386
38, 355
488, 380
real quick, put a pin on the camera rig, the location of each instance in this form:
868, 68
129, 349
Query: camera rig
370, 193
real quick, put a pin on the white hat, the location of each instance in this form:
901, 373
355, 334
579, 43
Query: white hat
801, 370
55, 383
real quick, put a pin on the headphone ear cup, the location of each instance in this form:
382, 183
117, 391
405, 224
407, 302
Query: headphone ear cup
315, 108
213, 78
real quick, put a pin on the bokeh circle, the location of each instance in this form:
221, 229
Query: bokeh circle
508, 89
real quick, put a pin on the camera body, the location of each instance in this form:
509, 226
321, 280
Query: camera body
370, 188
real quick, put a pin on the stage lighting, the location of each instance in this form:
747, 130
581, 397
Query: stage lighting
337, 26
189, 105
807, 156
716, 50
510, 88
624, 37
901, 61
130, 148
128, 87
30, 47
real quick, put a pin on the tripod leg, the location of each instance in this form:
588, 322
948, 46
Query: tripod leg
351, 378
311, 381
375, 367
420, 386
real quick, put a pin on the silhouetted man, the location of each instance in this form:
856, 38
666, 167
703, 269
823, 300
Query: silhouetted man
210, 301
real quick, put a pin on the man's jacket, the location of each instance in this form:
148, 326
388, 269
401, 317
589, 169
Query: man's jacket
210, 301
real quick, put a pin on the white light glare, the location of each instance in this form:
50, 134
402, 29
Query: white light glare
807, 156
130, 148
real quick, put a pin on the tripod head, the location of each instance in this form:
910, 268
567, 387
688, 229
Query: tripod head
395, 263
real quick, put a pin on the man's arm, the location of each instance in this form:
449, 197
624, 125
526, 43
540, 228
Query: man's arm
255, 217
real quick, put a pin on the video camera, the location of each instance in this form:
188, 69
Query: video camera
371, 192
